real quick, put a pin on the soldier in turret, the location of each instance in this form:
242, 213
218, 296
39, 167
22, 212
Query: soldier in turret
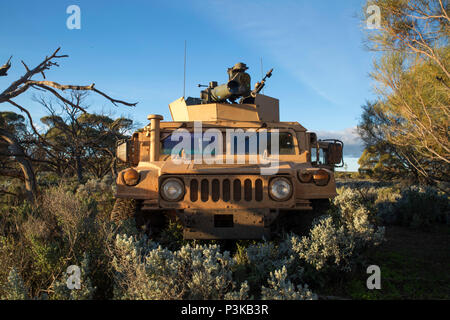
238, 85
237, 73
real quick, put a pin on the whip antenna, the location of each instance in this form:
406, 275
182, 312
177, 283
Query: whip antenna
184, 77
262, 72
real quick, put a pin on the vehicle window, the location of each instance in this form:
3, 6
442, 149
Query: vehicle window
251, 144
322, 156
313, 154
167, 144
285, 144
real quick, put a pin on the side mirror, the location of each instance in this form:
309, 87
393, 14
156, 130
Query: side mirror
334, 152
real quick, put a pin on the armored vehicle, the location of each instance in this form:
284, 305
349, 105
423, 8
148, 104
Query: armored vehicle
225, 169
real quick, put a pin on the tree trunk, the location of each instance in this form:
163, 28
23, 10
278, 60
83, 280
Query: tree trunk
79, 168
114, 168
24, 163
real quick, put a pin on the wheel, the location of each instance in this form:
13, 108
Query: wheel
300, 221
321, 206
123, 209
149, 222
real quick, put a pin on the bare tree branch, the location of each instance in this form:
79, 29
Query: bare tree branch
23, 84
5, 67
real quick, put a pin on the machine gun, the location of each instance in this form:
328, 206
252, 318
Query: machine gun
214, 93
260, 85
237, 86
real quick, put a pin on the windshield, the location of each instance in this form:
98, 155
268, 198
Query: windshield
241, 143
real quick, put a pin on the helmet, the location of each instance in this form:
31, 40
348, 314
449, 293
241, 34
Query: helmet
240, 66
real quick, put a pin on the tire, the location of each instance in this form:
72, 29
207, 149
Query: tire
151, 222
300, 222
321, 206
123, 209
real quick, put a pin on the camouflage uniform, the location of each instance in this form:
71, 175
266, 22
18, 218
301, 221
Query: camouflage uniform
238, 73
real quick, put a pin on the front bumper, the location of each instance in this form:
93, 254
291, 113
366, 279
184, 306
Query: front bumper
227, 224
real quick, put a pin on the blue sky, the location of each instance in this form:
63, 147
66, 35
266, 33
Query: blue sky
134, 51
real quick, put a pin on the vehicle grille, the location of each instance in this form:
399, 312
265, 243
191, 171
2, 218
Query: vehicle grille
205, 189
226, 192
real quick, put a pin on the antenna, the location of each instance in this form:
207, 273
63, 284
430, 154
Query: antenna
184, 78
262, 72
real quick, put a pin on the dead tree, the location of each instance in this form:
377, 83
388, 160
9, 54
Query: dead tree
25, 164
27, 82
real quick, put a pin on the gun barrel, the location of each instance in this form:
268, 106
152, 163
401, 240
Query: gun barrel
225, 91
260, 85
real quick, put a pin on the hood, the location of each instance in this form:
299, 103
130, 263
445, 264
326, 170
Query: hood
170, 167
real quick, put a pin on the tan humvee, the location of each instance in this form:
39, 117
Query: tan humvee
241, 193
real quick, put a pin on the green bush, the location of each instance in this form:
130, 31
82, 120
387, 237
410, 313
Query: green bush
280, 288
421, 208
41, 241
414, 206
144, 270
14, 289
69, 226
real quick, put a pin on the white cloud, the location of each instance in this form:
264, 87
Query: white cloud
353, 145
294, 35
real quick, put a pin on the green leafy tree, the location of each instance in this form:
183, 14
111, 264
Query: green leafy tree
382, 159
412, 83
13, 143
81, 142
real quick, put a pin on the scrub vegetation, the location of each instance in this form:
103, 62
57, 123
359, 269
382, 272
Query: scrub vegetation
69, 225
57, 186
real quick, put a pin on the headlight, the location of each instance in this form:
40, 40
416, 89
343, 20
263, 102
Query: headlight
280, 189
321, 177
131, 177
172, 189
305, 176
